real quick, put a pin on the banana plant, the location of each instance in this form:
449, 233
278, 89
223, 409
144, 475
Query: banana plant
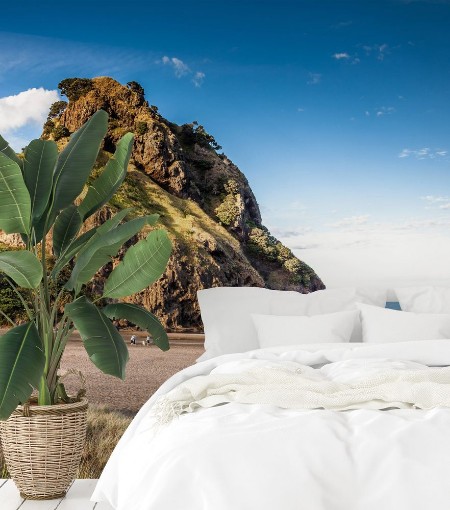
40, 200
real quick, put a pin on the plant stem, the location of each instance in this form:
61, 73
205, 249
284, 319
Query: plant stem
54, 314
44, 268
8, 318
46, 333
58, 349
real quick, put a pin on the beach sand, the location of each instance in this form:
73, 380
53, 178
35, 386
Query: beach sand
147, 369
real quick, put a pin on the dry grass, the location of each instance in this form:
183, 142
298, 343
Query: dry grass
105, 428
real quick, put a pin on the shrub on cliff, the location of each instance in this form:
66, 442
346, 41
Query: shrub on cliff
136, 87
141, 128
60, 132
56, 109
74, 88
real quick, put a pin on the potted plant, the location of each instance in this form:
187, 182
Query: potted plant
42, 437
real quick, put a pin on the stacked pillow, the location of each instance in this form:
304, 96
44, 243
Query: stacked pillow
275, 330
381, 325
239, 319
229, 326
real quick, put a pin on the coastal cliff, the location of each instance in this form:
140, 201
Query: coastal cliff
203, 199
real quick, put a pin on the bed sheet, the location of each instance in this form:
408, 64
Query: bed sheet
250, 456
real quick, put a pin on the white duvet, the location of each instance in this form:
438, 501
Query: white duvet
275, 455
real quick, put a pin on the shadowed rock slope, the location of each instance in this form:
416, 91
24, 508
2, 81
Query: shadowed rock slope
204, 200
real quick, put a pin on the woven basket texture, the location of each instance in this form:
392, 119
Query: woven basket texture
43, 450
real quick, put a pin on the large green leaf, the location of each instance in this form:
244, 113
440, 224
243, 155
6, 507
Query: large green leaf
77, 159
103, 188
70, 252
79, 244
21, 266
142, 318
15, 203
8, 151
114, 221
66, 227
100, 249
38, 167
102, 341
143, 264
21, 365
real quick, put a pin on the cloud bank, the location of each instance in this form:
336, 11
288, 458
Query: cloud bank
356, 251
23, 113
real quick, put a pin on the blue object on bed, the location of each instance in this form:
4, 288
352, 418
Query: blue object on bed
393, 305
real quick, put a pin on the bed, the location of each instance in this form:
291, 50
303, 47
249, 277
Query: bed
323, 402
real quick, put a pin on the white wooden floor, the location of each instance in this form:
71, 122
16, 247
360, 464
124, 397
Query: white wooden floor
77, 498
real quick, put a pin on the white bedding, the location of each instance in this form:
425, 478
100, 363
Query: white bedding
242, 456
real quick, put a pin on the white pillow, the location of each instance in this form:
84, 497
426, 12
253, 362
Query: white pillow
424, 299
274, 330
380, 325
226, 312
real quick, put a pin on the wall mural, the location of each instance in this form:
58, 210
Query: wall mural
305, 147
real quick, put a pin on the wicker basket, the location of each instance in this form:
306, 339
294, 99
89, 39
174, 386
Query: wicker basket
42, 446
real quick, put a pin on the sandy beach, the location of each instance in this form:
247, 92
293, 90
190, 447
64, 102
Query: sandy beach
147, 369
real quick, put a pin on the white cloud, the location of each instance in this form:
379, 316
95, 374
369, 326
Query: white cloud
385, 110
437, 202
424, 153
29, 106
314, 78
435, 199
346, 57
381, 111
198, 78
382, 50
379, 50
181, 69
341, 56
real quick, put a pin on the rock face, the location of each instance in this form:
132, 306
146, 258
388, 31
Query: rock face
204, 200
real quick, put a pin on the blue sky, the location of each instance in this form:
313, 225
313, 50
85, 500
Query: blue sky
336, 111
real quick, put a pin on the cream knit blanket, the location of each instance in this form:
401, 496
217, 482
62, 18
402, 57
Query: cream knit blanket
302, 387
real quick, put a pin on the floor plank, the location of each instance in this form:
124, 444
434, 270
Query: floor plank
77, 497
45, 504
9, 496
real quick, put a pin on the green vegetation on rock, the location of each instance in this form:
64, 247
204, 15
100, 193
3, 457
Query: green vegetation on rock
74, 88
56, 109
141, 128
228, 211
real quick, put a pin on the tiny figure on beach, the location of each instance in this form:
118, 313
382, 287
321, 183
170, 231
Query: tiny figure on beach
149, 340
133, 339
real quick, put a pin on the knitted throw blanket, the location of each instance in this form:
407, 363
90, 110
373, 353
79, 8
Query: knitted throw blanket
302, 387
